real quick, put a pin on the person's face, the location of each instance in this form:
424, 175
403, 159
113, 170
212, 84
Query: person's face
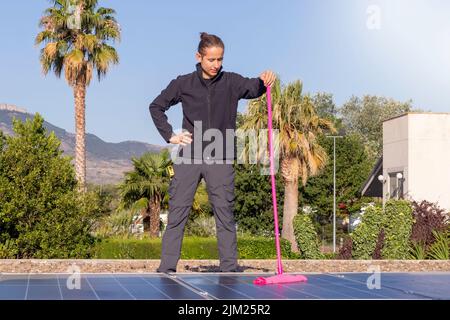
211, 61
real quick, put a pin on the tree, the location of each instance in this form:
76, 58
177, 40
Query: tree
324, 105
301, 155
326, 108
352, 169
76, 36
42, 215
146, 186
365, 117
253, 205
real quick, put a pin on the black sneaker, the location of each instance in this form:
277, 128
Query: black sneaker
232, 270
165, 271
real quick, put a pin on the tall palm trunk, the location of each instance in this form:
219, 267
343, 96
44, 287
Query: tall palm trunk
80, 134
288, 170
154, 208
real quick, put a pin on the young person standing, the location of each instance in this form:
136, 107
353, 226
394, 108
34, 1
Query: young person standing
209, 98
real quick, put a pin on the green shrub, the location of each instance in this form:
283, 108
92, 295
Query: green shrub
253, 208
8, 249
330, 255
428, 217
128, 248
427, 239
345, 252
263, 248
379, 246
192, 248
61, 233
117, 224
397, 224
439, 250
417, 251
41, 211
306, 237
202, 226
365, 235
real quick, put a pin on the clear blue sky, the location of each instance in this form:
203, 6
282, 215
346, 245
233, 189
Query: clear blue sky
325, 43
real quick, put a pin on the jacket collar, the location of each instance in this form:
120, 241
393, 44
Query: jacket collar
200, 74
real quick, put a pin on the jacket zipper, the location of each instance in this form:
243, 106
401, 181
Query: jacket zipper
209, 109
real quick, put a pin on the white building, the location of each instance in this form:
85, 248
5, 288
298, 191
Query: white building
416, 159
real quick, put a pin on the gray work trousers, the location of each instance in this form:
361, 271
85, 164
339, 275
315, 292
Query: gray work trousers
219, 180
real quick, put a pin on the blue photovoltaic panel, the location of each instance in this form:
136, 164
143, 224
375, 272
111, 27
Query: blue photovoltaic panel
198, 286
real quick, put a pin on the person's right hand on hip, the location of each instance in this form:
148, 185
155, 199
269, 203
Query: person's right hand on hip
182, 138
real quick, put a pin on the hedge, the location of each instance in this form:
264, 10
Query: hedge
306, 237
192, 248
395, 223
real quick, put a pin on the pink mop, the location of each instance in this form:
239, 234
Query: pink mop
280, 277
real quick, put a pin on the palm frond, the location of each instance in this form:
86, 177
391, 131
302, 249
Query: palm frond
299, 126
140, 205
84, 49
149, 179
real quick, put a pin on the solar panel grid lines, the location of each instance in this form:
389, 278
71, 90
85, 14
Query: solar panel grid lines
28, 285
59, 287
221, 286
92, 288
367, 275
419, 279
134, 298
218, 286
300, 294
204, 294
362, 292
269, 290
156, 288
251, 287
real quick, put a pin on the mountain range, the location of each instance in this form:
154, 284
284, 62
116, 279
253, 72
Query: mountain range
106, 162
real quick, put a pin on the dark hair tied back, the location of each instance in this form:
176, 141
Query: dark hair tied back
208, 41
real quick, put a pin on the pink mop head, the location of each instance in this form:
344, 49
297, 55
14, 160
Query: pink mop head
280, 277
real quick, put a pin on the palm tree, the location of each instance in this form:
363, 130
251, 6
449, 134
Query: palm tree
300, 154
145, 188
78, 49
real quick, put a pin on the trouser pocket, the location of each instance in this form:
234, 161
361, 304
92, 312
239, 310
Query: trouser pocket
172, 187
228, 193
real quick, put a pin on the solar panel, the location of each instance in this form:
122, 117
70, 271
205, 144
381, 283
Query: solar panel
219, 286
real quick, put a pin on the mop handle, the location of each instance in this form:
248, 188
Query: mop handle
272, 175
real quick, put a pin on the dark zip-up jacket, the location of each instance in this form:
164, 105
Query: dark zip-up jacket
211, 104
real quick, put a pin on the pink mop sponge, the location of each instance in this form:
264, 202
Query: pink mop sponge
280, 278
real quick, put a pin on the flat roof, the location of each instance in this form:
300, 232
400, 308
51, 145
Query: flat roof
412, 112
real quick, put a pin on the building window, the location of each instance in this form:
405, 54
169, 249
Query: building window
396, 185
